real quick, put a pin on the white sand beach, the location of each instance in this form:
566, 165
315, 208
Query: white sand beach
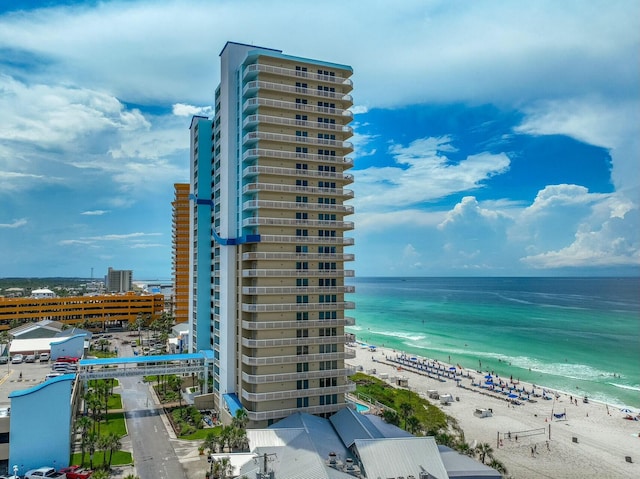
590, 440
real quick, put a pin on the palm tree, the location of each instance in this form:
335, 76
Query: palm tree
92, 440
83, 423
131, 476
101, 474
406, 409
210, 442
103, 445
464, 448
113, 444
391, 417
241, 419
484, 450
222, 468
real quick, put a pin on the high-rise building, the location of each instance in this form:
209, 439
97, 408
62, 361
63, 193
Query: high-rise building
180, 256
119, 280
268, 178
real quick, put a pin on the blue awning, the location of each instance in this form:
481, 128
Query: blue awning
233, 403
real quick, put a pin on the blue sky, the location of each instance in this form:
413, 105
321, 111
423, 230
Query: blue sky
492, 138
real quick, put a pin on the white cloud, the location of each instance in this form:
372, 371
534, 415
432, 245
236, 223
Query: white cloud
423, 174
94, 212
180, 109
16, 223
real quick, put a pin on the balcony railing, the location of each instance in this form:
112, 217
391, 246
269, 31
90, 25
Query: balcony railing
294, 273
271, 308
312, 125
291, 205
276, 378
279, 413
262, 221
302, 358
253, 103
298, 393
250, 171
311, 190
256, 256
252, 70
255, 153
266, 325
306, 240
254, 136
274, 343
297, 90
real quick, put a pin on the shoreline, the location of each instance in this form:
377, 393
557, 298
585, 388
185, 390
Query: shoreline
593, 396
589, 437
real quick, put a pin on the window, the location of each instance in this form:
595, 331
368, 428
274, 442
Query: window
302, 367
301, 350
302, 316
328, 382
302, 133
302, 199
302, 166
328, 365
301, 232
302, 183
302, 384
302, 333
327, 282
301, 299
328, 348
302, 282
302, 249
302, 402
302, 265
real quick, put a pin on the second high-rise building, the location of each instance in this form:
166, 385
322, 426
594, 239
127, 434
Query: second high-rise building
269, 178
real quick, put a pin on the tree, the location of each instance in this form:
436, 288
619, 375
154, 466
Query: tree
83, 423
391, 417
498, 466
484, 450
241, 419
406, 410
222, 468
103, 445
210, 442
113, 444
413, 424
100, 474
92, 442
131, 476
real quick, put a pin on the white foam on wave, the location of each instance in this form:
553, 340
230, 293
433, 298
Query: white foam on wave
394, 334
625, 386
354, 328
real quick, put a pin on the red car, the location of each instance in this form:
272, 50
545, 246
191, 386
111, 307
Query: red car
76, 472
67, 359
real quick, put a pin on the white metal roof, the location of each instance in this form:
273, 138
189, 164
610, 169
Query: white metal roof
27, 345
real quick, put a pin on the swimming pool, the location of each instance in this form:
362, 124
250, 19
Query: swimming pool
361, 408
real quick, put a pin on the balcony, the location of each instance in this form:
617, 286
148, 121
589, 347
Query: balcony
266, 325
294, 273
262, 221
252, 87
255, 153
298, 393
254, 136
302, 358
272, 308
252, 70
291, 205
311, 190
253, 104
280, 413
255, 256
275, 343
307, 240
254, 120
250, 171
277, 378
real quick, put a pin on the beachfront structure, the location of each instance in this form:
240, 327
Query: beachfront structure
99, 311
180, 256
119, 280
268, 179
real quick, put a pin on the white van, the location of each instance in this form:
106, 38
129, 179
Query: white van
44, 357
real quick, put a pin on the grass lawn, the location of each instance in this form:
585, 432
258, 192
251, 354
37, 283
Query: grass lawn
201, 434
116, 424
114, 402
119, 458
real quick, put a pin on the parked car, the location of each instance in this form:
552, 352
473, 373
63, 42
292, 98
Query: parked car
52, 375
4, 360
64, 368
67, 359
76, 472
17, 359
44, 357
44, 472
30, 358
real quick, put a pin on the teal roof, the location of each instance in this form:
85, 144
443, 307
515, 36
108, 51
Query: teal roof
25, 392
254, 54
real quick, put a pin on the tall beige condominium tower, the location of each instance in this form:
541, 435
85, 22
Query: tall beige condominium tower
180, 254
278, 174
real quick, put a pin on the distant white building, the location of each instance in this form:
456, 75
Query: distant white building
119, 281
42, 293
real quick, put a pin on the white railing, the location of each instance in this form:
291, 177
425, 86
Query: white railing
252, 103
251, 187
306, 240
273, 343
294, 273
265, 325
279, 413
262, 221
279, 120
265, 85
306, 140
291, 205
276, 378
297, 393
302, 358
291, 155
273, 170
271, 308
261, 68
255, 256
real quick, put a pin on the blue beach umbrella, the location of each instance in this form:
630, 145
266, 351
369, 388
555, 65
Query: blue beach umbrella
512, 395
488, 376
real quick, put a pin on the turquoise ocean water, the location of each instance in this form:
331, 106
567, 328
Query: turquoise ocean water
578, 335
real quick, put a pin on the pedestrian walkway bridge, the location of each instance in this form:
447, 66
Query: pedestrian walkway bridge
105, 368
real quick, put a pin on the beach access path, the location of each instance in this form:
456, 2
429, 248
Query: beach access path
591, 439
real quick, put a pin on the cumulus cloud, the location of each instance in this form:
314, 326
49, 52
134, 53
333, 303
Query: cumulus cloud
180, 109
94, 212
424, 173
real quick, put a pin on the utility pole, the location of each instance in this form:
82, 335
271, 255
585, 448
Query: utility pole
265, 459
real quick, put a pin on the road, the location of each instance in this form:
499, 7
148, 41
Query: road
153, 454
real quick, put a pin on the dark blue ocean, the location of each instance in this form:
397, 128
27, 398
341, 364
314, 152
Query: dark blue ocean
578, 335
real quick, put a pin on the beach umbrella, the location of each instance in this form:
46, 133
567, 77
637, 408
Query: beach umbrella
452, 368
489, 383
626, 411
488, 376
513, 395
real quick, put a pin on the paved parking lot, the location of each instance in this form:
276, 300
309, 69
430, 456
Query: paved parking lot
14, 377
